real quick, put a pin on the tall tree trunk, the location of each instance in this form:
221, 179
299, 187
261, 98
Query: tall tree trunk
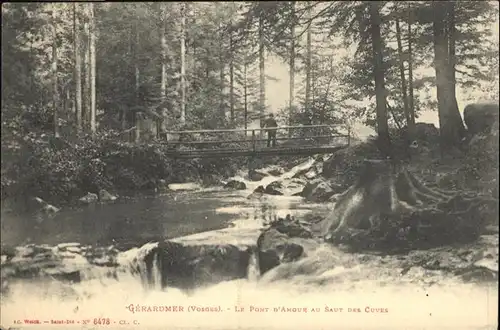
86, 67
262, 73
231, 79
451, 33
163, 87
191, 87
127, 120
222, 67
292, 69
245, 92
92, 70
183, 64
67, 103
448, 125
137, 71
409, 125
31, 69
411, 99
222, 106
308, 76
78, 70
55, 91
378, 73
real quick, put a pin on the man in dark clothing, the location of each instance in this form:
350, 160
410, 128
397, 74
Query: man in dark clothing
271, 134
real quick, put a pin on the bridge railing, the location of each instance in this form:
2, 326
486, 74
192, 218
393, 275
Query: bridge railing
257, 138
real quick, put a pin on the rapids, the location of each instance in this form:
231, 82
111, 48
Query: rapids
328, 289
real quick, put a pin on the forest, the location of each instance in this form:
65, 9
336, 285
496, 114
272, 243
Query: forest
77, 76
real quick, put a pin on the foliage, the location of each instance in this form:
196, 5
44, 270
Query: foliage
60, 172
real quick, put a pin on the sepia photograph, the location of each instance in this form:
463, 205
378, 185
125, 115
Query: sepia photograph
250, 165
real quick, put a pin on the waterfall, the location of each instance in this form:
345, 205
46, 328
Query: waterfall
156, 273
147, 265
253, 269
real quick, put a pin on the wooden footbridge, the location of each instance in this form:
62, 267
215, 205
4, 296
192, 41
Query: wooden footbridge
290, 140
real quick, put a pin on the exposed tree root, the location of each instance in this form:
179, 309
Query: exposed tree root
404, 213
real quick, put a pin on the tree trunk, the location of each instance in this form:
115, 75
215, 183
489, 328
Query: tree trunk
231, 79
222, 106
448, 125
262, 86
378, 73
55, 92
92, 71
411, 103
67, 104
308, 76
451, 33
409, 125
127, 120
137, 76
183, 64
86, 80
245, 92
78, 70
292, 69
163, 87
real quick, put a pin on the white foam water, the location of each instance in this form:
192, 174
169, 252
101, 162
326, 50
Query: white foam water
323, 291
252, 185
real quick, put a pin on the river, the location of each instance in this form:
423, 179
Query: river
329, 289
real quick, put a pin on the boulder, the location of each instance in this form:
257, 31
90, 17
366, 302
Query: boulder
470, 262
275, 171
274, 188
102, 256
425, 134
300, 174
190, 266
311, 174
105, 196
234, 184
89, 198
257, 193
32, 261
481, 117
161, 186
39, 205
294, 187
291, 227
282, 242
274, 249
63, 275
50, 209
254, 175
318, 191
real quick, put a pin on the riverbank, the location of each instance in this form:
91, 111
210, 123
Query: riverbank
60, 173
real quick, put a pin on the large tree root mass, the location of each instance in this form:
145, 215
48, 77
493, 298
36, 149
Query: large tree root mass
390, 209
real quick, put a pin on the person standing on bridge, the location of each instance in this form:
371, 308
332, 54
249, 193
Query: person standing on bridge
270, 122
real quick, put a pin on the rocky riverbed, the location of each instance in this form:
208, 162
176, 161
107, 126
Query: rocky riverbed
275, 256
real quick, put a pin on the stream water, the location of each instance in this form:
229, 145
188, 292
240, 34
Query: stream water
329, 289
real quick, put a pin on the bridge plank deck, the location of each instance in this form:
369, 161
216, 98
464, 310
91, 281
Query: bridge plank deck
314, 139
272, 151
